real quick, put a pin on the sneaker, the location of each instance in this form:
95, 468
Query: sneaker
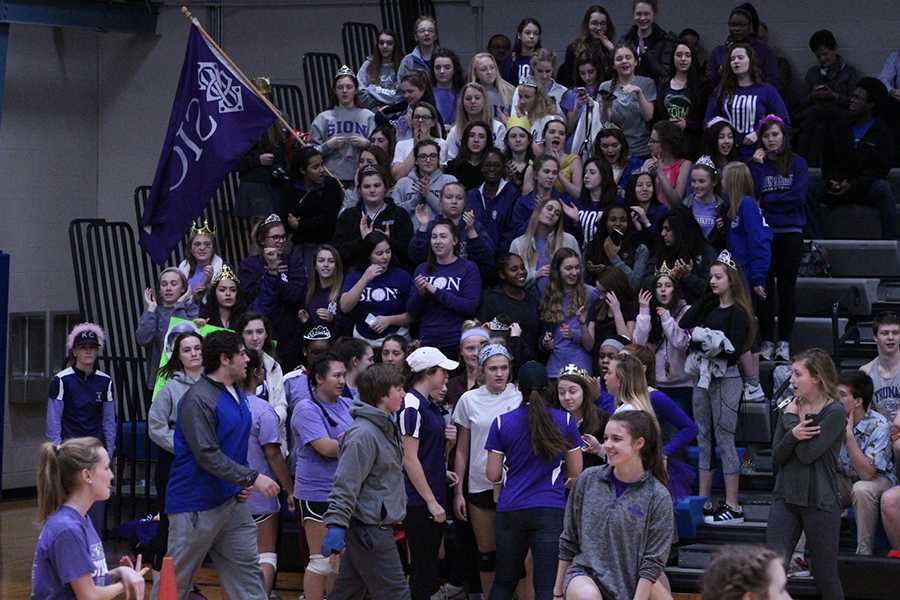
725, 515
799, 567
449, 591
783, 352
709, 510
767, 350
753, 392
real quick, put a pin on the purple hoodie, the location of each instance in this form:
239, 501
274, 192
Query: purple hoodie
745, 109
782, 198
456, 299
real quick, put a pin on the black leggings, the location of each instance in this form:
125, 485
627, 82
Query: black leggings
158, 546
823, 530
787, 248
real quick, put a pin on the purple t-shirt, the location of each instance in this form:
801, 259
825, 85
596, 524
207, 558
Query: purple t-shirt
314, 473
264, 429
67, 549
446, 104
385, 295
705, 215
531, 481
568, 350
424, 420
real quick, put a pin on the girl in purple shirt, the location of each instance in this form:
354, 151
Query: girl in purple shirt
324, 292
317, 424
446, 291
264, 455
569, 334
532, 442
69, 561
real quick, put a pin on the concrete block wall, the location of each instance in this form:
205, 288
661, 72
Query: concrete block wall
85, 114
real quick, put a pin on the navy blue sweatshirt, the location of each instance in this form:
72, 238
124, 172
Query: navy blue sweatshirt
495, 213
456, 299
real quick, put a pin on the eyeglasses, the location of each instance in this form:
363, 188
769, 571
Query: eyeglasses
428, 156
423, 118
277, 238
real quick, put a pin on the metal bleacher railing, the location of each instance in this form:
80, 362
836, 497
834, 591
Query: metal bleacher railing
359, 40
111, 270
400, 16
289, 99
318, 72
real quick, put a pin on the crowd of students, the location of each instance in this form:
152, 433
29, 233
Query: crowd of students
555, 267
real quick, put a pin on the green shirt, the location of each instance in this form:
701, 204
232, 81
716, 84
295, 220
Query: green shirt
807, 470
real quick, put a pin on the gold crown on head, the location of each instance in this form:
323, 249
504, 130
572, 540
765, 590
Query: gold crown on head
572, 369
345, 71
664, 270
198, 228
726, 259
225, 273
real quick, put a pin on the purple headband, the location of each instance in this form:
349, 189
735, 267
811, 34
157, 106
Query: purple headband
773, 119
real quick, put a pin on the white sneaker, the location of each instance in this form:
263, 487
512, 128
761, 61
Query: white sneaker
783, 352
753, 392
767, 350
449, 592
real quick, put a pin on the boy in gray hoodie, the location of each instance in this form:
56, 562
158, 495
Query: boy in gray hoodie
368, 496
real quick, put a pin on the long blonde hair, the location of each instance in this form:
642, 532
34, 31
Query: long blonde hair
554, 239
543, 104
819, 364
737, 183
58, 469
504, 88
633, 388
462, 119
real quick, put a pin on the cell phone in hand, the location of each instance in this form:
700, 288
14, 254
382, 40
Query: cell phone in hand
617, 237
370, 320
814, 417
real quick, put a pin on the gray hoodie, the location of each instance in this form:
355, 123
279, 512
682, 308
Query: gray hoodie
639, 525
164, 411
404, 195
368, 484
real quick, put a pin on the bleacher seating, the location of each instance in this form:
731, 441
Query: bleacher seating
318, 72
358, 39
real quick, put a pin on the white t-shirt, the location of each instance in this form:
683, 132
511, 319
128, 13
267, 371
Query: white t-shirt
476, 410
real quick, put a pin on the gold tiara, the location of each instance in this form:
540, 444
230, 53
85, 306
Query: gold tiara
225, 273
198, 228
664, 270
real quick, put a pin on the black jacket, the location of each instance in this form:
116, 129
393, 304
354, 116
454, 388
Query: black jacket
317, 210
524, 312
392, 220
656, 61
859, 163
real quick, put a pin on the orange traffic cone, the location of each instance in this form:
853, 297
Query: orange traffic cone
167, 588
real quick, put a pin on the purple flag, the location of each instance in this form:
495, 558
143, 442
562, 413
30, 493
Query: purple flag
215, 120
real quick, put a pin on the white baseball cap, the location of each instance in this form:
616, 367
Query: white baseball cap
428, 357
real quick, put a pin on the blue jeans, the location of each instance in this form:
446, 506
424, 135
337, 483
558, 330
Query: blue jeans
537, 529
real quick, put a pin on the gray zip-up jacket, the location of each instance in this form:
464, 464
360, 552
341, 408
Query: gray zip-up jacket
368, 484
164, 411
617, 540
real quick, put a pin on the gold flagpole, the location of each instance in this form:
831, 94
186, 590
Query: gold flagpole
247, 82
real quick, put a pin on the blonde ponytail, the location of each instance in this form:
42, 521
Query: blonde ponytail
58, 468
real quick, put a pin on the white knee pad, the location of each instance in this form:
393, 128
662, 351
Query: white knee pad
269, 558
320, 565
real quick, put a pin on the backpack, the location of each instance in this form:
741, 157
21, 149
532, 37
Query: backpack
814, 261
